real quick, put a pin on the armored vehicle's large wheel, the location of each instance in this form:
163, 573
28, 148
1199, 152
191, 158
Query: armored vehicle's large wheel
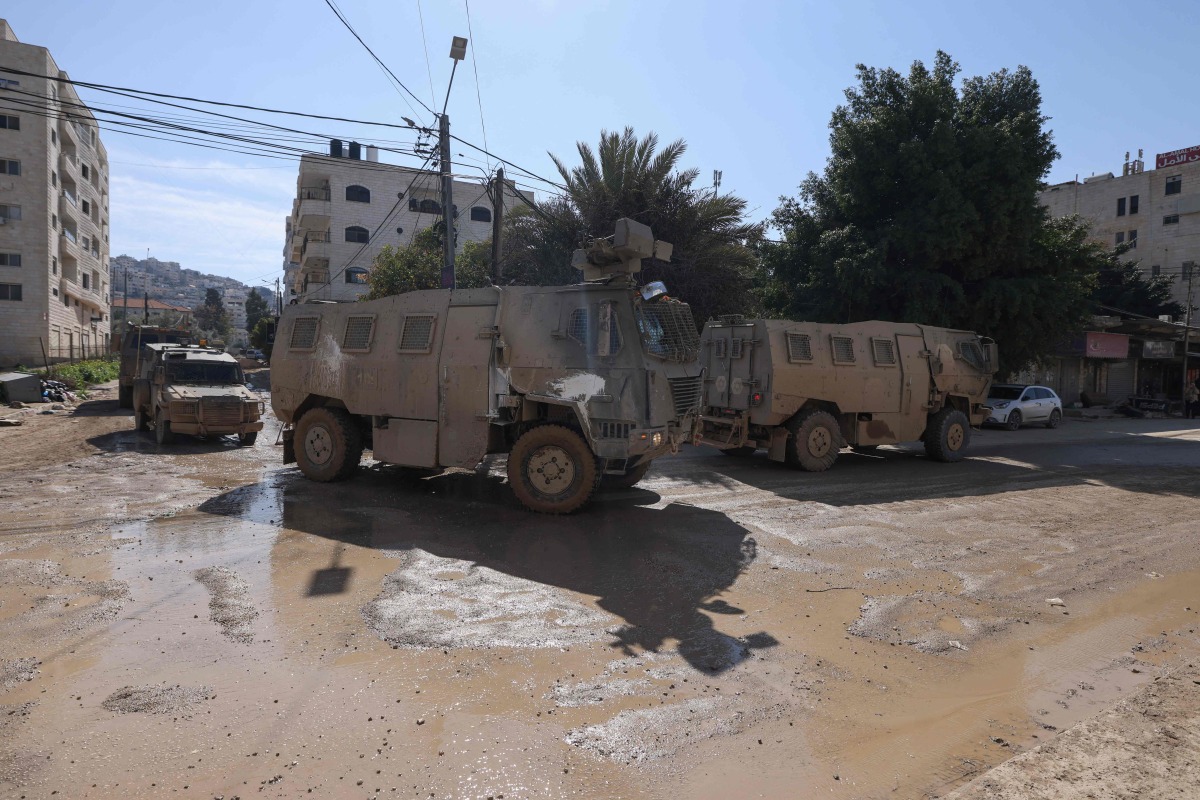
815, 441
328, 444
1055, 419
125, 397
948, 435
248, 439
552, 470
629, 479
140, 422
1014, 420
748, 450
162, 429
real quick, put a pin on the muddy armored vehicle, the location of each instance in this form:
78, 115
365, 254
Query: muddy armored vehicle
576, 383
804, 390
136, 337
196, 390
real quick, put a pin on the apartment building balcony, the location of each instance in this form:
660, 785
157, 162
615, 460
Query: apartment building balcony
313, 207
69, 243
68, 207
86, 296
315, 248
68, 162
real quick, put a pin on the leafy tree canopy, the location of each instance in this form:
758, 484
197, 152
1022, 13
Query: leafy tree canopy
396, 270
1123, 288
625, 176
256, 309
927, 211
211, 314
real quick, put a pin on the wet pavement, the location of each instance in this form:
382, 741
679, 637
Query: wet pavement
199, 621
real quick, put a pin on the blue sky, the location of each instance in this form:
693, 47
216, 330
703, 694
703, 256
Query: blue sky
750, 86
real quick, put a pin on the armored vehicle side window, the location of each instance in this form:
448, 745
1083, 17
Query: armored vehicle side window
577, 325
885, 352
416, 333
357, 336
799, 347
718, 348
973, 354
735, 348
304, 333
843, 349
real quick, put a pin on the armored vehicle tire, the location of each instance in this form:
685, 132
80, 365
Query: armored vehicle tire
328, 445
1014, 420
162, 429
740, 451
125, 397
140, 423
626, 481
248, 439
947, 436
552, 470
1055, 419
815, 441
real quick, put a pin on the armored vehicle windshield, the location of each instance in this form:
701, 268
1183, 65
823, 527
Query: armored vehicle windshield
200, 372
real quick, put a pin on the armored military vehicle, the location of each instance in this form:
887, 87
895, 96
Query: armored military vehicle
196, 390
575, 383
804, 390
136, 337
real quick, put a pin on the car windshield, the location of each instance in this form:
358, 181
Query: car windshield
201, 372
1006, 392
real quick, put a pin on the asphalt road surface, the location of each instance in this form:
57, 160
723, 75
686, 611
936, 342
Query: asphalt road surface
200, 621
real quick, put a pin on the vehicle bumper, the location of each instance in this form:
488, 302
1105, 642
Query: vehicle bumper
200, 429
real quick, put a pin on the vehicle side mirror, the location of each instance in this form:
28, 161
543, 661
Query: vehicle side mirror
993, 355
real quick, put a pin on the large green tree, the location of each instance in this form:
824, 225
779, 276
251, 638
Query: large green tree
625, 176
1123, 288
211, 315
419, 266
256, 309
927, 211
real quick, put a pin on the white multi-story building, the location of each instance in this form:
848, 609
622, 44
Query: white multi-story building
1157, 210
342, 201
54, 220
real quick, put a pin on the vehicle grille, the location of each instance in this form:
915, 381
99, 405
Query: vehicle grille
669, 331
606, 429
222, 410
686, 394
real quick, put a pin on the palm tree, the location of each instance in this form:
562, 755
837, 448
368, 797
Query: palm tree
630, 177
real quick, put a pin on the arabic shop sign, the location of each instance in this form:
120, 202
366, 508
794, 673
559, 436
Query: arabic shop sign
1188, 155
1158, 349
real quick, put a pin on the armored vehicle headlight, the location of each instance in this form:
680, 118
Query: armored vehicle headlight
656, 439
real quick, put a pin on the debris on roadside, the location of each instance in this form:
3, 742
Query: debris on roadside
1056, 601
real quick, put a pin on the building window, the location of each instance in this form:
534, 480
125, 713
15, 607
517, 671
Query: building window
1155, 271
356, 275
86, 281
1120, 206
53, 136
1174, 184
10, 212
87, 209
10, 259
1133, 238
1171, 219
10, 291
430, 207
358, 235
481, 214
358, 194
1133, 203
53, 265
54, 179
1120, 237
55, 290
85, 172
10, 123
9, 167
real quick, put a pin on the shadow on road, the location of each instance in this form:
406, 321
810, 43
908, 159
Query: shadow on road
658, 570
132, 441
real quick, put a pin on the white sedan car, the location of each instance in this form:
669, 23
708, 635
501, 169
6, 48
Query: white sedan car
1014, 405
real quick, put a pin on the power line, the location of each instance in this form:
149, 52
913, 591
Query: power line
378, 61
475, 66
425, 44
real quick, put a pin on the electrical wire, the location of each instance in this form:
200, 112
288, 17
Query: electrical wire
475, 66
425, 44
378, 60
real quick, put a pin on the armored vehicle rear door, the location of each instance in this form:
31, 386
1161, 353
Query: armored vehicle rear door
465, 370
730, 365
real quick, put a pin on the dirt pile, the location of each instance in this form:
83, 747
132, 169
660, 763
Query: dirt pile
230, 606
162, 699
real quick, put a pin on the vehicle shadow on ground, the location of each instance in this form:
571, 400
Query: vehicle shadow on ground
100, 408
658, 570
1009, 462
132, 441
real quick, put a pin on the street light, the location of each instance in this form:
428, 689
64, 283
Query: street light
458, 51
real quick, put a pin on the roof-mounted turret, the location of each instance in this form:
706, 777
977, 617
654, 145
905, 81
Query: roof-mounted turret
621, 253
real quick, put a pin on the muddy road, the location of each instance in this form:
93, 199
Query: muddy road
199, 621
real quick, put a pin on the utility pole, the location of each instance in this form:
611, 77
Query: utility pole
1190, 266
447, 200
458, 51
497, 226
278, 298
